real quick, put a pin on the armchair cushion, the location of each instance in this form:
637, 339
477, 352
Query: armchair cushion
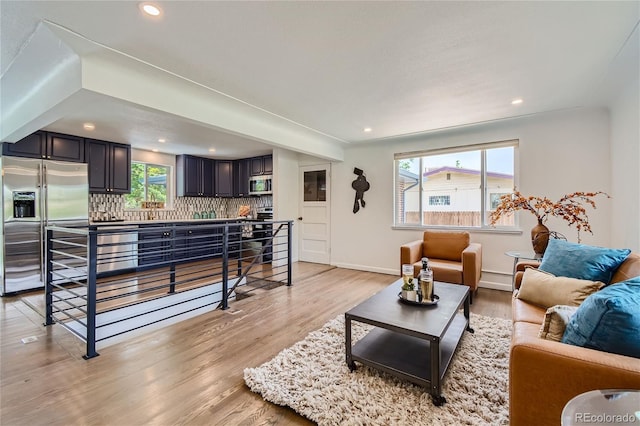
445, 245
447, 270
567, 259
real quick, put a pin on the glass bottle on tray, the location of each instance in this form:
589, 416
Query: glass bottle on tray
426, 281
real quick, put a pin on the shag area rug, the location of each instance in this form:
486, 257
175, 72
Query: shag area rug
313, 379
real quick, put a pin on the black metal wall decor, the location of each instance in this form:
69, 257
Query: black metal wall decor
360, 185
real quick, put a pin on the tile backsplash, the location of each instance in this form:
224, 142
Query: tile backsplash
183, 207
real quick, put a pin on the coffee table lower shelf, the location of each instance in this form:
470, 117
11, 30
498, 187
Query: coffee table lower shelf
408, 357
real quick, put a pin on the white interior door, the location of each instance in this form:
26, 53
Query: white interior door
314, 220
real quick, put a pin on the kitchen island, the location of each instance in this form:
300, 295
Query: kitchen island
108, 222
127, 246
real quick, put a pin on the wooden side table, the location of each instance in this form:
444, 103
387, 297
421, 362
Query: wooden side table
517, 255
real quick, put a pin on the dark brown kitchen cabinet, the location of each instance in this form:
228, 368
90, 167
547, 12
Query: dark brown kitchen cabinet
241, 174
267, 162
161, 244
180, 244
109, 167
33, 146
49, 146
261, 165
65, 148
195, 176
257, 166
154, 247
224, 178
204, 243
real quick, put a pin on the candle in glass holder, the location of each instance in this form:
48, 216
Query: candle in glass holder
407, 272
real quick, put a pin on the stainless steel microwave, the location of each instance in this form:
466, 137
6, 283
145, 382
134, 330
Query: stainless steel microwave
260, 185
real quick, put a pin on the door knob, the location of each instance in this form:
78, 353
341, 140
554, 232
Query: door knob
300, 218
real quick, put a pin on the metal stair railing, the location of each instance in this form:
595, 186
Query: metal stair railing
267, 246
173, 266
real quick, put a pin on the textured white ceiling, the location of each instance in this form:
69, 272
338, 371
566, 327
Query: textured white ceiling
337, 67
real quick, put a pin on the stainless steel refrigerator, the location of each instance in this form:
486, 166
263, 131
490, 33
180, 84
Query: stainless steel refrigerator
36, 193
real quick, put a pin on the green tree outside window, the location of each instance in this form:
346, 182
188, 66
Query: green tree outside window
148, 183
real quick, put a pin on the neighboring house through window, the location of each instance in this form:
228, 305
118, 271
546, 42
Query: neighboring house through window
456, 187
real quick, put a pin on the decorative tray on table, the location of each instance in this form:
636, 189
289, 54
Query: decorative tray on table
436, 298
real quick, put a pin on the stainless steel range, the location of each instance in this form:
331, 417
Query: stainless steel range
262, 231
265, 213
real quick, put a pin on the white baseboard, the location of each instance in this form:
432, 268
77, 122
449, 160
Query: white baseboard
495, 286
484, 284
388, 271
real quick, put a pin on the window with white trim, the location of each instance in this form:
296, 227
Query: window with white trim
149, 182
456, 187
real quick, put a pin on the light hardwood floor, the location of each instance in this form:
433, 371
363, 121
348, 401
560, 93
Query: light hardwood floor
188, 373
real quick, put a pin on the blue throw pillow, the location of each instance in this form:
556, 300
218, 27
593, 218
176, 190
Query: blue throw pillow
566, 259
608, 320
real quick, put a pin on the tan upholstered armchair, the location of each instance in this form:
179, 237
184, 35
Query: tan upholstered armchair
453, 258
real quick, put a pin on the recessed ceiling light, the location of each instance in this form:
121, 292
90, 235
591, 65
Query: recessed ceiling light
89, 126
162, 140
212, 150
516, 101
367, 129
150, 9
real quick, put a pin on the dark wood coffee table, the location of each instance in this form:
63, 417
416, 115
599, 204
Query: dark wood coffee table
414, 343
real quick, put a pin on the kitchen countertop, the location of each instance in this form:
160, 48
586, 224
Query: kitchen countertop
166, 222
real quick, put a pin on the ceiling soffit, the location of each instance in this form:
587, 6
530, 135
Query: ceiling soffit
45, 74
75, 65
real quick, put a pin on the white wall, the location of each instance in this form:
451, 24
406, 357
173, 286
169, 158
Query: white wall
559, 153
625, 171
286, 190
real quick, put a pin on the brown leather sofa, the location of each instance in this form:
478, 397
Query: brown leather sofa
452, 257
544, 375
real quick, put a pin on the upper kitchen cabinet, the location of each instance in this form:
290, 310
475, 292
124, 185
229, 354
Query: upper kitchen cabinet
224, 178
109, 167
49, 146
261, 165
241, 174
65, 148
33, 146
267, 162
195, 176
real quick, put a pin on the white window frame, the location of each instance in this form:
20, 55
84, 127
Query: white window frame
168, 204
485, 226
